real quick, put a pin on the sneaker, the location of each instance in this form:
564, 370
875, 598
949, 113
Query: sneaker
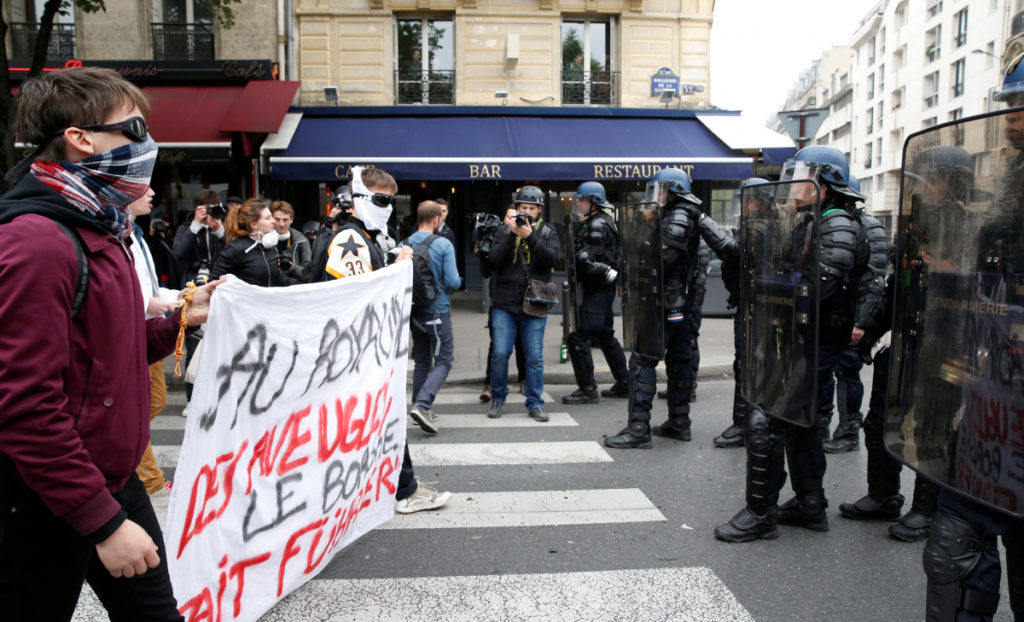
425, 498
537, 412
160, 497
485, 395
425, 418
184, 411
495, 411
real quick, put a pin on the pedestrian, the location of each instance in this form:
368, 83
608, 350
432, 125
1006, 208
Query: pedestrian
433, 343
524, 251
356, 249
293, 250
75, 509
670, 190
842, 253
598, 259
158, 302
445, 231
251, 251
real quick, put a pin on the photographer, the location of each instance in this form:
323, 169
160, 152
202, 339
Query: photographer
196, 246
159, 242
339, 210
523, 252
293, 251
251, 251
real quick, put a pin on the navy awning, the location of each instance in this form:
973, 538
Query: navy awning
454, 147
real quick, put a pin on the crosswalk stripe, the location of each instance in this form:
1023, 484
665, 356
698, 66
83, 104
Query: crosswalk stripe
534, 508
481, 454
451, 399
510, 420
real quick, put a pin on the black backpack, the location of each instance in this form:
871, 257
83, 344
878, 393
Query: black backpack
424, 289
82, 282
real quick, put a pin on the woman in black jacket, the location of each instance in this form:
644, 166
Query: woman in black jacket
251, 251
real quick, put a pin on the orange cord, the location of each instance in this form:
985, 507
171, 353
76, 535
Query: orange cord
179, 345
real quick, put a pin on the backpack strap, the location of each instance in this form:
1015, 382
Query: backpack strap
82, 279
424, 248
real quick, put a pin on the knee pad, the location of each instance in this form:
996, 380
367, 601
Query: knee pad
576, 342
952, 552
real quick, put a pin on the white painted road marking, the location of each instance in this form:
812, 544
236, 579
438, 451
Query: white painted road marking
477, 454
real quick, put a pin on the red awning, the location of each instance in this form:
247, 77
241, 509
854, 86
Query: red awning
207, 116
261, 107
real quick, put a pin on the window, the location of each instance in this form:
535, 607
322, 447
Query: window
878, 149
961, 27
62, 37
880, 113
929, 122
933, 43
958, 131
865, 185
870, 121
897, 98
934, 6
867, 155
881, 42
587, 76
871, 85
424, 78
990, 53
182, 30
958, 70
881, 78
880, 182
871, 51
931, 90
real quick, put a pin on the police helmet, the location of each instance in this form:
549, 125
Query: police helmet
823, 164
1013, 80
529, 194
591, 191
672, 181
855, 187
950, 166
749, 188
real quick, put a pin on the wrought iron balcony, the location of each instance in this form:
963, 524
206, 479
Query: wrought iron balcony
590, 88
183, 41
425, 87
62, 40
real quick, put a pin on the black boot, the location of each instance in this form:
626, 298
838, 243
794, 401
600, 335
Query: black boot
619, 389
805, 510
677, 427
637, 435
582, 396
731, 437
663, 395
915, 525
748, 525
867, 508
846, 438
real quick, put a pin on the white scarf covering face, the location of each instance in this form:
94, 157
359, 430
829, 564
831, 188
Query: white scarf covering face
375, 218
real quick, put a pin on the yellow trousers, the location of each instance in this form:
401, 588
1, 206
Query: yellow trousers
149, 471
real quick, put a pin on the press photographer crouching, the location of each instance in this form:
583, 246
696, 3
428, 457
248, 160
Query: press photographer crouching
522, 254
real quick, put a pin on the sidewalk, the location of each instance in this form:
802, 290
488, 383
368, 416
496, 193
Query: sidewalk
471, 342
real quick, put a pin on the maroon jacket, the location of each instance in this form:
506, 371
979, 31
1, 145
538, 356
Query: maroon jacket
74, 395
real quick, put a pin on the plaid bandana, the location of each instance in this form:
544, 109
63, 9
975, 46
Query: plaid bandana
105, 184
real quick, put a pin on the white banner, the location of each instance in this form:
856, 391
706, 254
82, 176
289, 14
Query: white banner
294, 440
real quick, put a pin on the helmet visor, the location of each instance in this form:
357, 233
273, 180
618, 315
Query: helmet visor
581, 206
657, 192
798, 170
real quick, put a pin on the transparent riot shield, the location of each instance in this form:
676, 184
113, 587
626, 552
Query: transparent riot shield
567, 234
643, 316
955, 406
779, 299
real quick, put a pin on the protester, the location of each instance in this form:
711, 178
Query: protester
433, 343
75, 508
251, 251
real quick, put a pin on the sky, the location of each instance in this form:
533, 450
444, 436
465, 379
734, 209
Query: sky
760, 47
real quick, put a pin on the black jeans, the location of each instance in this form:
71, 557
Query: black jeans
43, 562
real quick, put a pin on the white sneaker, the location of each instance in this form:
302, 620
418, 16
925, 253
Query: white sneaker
161, 496
425, 498
184, 411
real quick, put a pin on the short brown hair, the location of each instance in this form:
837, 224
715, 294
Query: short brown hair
236, 225
283, 206
61, 99
378, 177
427, 211
206, 197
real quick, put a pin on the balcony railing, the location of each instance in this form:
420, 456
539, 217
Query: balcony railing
958, 89
931, 100
62, 40
961, 39
426, 87
183, 41
590, 88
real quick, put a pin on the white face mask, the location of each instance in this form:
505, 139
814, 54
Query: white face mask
270, 240
375, 218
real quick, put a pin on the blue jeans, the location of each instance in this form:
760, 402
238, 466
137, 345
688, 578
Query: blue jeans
531, 332
431, 369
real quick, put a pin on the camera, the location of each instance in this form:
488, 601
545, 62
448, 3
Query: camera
484, 227
284, 259
203, 274
522, 220
217, 211
159, 226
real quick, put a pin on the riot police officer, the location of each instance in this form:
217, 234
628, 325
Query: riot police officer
841, 257
670, 190
598, 259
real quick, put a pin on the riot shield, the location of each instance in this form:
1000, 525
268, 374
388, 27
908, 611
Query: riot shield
955, 406
567, 233
779, 299
643, 316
